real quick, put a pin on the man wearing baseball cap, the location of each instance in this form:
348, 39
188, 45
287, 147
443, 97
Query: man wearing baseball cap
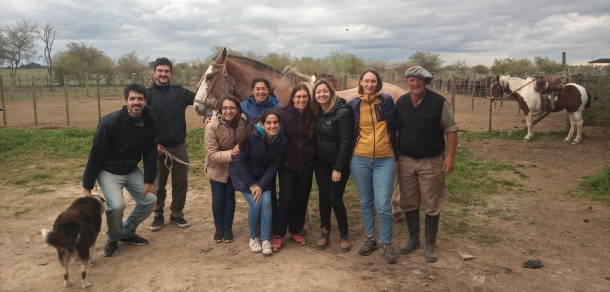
424, 120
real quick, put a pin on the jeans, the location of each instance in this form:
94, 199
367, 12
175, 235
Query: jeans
112, 186
295, 187
259, 215
331, 196
180, 182
223, 203
374, 178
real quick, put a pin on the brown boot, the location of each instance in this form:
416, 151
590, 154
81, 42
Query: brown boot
346, 246
324, 239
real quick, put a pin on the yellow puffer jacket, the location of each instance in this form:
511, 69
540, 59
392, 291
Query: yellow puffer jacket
373, 138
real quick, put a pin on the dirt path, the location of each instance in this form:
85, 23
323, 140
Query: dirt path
543, 222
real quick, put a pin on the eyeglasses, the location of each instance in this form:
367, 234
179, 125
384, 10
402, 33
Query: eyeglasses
229, 108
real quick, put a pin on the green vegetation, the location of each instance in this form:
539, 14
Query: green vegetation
597, 187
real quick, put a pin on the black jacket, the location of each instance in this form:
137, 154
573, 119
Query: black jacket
120, 143
169, 103
334, 135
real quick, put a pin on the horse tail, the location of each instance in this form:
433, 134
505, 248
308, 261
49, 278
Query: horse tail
589, 98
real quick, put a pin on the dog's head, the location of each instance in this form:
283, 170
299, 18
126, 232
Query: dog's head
101, 201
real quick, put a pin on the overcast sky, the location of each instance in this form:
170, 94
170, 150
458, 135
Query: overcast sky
477, 31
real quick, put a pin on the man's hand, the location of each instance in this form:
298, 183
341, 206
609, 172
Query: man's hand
149, 188
86, 192
160, 150
448, 165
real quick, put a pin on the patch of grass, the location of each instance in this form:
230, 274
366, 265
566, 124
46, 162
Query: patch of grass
531, 251
597, 187
38, 191
22, 211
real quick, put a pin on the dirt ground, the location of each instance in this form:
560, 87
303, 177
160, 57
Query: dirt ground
570, 235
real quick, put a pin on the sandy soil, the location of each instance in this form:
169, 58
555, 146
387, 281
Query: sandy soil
545, 223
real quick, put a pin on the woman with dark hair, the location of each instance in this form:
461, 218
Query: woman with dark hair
223, 136
296, 173
373, 162
262, 99
253, 174
333, 143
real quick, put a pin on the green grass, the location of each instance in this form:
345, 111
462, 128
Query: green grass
597, 187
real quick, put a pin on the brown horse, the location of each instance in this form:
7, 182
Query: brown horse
334, 81
233, 75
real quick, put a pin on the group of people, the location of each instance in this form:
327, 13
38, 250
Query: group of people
251, 144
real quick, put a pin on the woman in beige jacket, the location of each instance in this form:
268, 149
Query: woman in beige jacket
224, 135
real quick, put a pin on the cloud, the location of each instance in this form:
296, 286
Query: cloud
475, 31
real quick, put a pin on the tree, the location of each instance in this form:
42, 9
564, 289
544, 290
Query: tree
431, 62
47, 35
460, 67
276, 60
130, 63
342, 62
19, 45
549, 67
3, 44
81, 59
480, 69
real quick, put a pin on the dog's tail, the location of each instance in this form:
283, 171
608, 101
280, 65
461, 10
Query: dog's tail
66, 236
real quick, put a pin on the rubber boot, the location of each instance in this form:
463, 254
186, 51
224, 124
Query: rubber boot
324, 239
412, 219
431, 231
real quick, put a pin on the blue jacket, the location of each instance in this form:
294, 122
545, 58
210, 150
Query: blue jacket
387, 113
258, 161
253, 109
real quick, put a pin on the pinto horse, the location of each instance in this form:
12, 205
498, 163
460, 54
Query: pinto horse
233, 75
528, 92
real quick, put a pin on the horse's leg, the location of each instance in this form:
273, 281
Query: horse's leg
572, 124
530, 131
579, 124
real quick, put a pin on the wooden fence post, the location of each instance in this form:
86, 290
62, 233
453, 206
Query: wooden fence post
99, 99
87, 83
344, 82
453, 93
2, 97
34, 101
11, 85
134, 77
66, 96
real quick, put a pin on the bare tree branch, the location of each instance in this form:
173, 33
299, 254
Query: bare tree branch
20, 44
47, 35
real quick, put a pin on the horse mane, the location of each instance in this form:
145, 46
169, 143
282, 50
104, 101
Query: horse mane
295, 77
291, 73
504, 80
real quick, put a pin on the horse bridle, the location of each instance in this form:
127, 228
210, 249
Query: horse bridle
223, 70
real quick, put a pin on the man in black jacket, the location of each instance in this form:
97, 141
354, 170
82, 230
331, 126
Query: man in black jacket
169, 103
123, 138
424, 119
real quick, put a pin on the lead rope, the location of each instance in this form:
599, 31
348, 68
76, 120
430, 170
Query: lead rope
169, 160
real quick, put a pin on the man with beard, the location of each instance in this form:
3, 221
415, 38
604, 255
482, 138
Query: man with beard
123, 138
169, 103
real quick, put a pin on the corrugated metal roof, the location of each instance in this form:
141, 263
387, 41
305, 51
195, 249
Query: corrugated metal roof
600, 61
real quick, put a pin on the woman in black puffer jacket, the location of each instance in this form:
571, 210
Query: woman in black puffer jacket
334, 146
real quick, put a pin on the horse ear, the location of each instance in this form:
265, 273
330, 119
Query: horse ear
223, 55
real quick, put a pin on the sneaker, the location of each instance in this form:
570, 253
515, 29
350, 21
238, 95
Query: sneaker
157, 223
179, 221
218, 235
297, 238
277, 243
134, 240
227, 236
369, 245
110, 249
267, 248
255, 245
389, 254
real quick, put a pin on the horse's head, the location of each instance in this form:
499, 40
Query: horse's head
213, 85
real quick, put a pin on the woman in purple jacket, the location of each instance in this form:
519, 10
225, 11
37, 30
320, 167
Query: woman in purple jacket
253, 174
296, 173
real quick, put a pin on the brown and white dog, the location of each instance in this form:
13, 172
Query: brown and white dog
75, 232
